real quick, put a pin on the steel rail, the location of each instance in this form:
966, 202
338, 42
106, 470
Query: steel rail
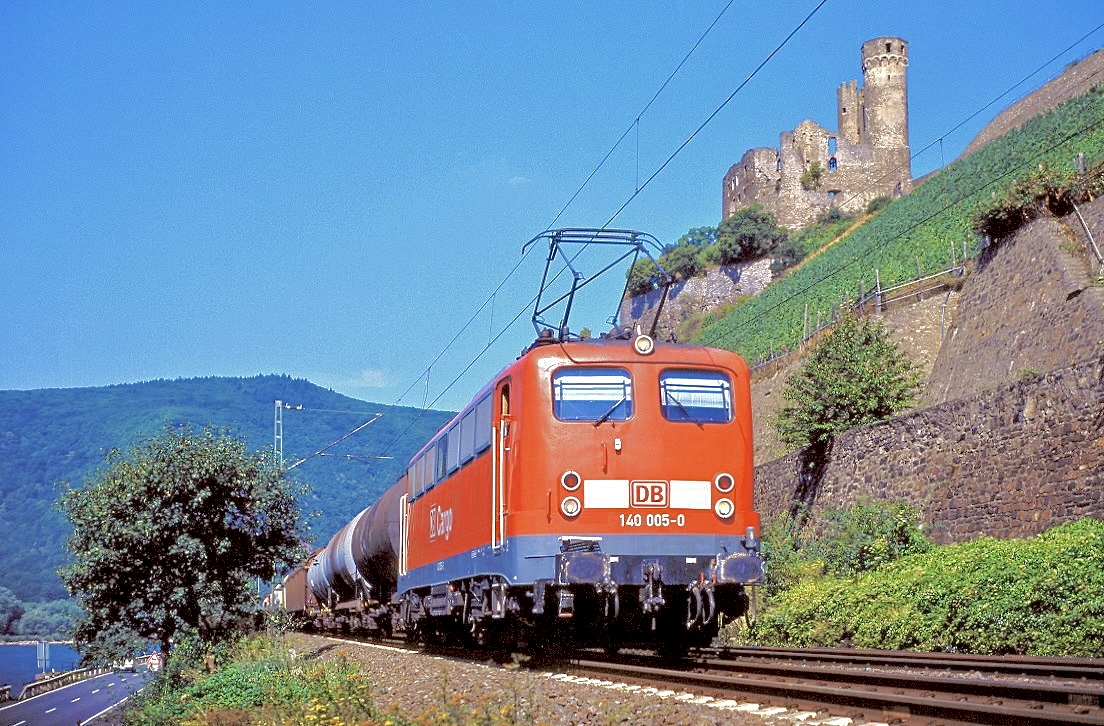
919, 699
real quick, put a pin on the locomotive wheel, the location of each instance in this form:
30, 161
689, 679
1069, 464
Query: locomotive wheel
477, 622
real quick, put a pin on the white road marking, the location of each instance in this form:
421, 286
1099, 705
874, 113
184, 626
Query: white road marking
75, 699
96, 691
51, 710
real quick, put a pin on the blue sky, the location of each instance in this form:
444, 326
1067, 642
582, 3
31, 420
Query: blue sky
334, 190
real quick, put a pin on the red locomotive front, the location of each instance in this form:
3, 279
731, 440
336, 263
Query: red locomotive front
600, 485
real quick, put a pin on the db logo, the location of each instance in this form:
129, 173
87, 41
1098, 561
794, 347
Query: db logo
649, 494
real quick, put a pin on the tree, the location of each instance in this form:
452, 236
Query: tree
683, 262
855, 376
11, 610
642, 277
810, 180
167, 538
749, 233
698, 237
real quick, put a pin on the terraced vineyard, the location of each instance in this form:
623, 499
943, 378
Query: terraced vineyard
915, 231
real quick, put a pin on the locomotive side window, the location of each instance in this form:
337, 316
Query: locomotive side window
442, 457
453, 447
695, 396
467, 437
483, 424
592, 394
425, 479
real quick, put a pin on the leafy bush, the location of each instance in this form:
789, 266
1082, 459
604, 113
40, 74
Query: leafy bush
876, 204
1038, 596
862, 537
748, 234
855, 376
810, 180
642, 277
1045, 189
867, 535
254, 681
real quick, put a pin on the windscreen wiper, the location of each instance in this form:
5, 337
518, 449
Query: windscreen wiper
609, 413
687, 414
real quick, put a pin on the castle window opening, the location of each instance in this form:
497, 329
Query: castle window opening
832, 164
831, 146
887, 47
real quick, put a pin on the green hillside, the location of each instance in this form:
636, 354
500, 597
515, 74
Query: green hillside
55, 435
916, 229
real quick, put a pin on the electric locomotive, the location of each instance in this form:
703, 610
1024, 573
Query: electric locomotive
596, 491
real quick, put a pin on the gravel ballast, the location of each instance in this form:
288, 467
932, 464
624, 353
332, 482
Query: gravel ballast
426, 688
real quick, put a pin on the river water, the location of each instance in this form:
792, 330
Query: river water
20, 663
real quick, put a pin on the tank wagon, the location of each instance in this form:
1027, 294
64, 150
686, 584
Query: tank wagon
599, 490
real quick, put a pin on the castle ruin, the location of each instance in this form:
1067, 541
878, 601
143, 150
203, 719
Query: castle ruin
814, 169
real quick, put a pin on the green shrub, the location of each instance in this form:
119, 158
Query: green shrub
876, 204
1038, 596
254, 681
748, 234
869, 534
812, 177
855, 376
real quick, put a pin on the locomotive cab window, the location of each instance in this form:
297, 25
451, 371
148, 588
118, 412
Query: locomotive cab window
695, 396
592, 394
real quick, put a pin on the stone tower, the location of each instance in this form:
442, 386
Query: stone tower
867, 157
885, 93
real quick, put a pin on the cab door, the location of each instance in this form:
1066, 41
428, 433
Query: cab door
500, 462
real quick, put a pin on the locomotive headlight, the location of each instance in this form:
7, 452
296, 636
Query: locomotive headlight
571, 480
724, 508
724, 483
570, 506
644, 345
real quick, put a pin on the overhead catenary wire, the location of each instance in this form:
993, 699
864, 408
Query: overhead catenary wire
634, 124
336, 442
636, 192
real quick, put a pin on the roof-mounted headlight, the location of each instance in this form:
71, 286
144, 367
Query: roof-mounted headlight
643, 344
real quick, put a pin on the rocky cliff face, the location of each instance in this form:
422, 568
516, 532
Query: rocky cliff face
695, 296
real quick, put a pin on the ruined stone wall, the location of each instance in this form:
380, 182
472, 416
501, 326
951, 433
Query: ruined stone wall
1009, 462
868, 157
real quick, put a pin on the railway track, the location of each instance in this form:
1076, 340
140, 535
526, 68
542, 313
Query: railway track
865, 685
879, 686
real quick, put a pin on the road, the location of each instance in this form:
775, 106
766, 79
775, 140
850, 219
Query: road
76, 703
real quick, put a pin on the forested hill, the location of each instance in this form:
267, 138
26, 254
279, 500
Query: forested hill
53, 435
